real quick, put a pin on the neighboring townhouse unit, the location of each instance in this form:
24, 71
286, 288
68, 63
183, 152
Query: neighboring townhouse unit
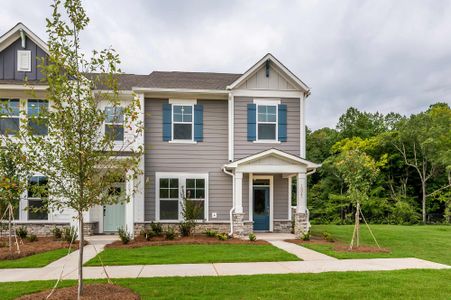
231, 142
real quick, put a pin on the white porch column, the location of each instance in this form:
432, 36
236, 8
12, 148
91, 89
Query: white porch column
301, 193
239, 193
129, 206
138, 196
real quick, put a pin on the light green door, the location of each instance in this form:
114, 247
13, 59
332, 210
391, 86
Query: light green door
113, 217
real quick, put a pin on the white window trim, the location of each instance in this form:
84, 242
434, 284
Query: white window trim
12, 116
183, 101
182, 184
267, 101
27, 203
19, 55
187, 141
115, 124
28, 113
258, 140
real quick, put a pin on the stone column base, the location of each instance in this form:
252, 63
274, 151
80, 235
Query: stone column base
240, 228
301, 223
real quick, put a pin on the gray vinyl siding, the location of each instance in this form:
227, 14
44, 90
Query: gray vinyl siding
280, 197
8, 61
243, 148
208, 156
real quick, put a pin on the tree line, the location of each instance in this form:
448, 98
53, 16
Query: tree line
409, 158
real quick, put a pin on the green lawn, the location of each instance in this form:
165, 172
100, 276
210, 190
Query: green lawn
406, 284
194, 253
426, 242
34, 261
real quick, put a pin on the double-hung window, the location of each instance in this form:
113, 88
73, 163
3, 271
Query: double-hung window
9, 116
35, 109
266, 122
174, 188
114, 123
182, 125
37, 194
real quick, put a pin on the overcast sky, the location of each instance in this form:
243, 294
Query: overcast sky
374, 55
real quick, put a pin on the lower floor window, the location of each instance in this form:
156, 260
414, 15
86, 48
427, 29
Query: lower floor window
37, 193
174, 190
37, 210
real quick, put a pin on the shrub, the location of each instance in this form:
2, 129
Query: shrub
156, 228
22, 232
186, 228
252, 237
32, 238
148, 234
69, 234
211, 233
222, 236
170, 233
328, 237
305, 236
57, 233
124, 235
404, 213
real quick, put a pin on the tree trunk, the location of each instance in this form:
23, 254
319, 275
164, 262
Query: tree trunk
80, 257
357, 225
10, 241
423, 201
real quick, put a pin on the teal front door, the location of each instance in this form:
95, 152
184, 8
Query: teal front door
261, 207
113, 217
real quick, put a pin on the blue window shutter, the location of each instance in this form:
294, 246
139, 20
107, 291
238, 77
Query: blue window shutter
198, 122
282, 122
167, 122
251, 122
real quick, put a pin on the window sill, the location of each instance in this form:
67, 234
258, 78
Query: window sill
266, 142
182, 142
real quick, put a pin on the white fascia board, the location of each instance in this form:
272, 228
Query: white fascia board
267, 93
19, 87
255, 67
14, 33
163, 90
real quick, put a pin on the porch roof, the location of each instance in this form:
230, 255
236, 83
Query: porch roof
272, 161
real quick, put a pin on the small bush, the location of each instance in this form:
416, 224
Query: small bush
328, 237
148, 234
170, 233
186, 228
222, 236
156, 228
57, 233
32, 238
68, 233
252, 237
22, 232
211, 233
124, 235
305, 236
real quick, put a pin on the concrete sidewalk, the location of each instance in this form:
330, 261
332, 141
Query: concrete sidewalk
222, 269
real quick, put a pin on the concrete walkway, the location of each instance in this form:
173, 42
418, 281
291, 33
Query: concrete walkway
313, 263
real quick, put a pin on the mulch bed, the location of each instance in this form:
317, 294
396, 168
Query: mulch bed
340, 246
199, 239
90, 292
43, 244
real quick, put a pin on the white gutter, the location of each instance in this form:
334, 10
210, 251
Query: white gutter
233, 199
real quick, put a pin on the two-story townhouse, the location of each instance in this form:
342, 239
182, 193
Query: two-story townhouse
231, 142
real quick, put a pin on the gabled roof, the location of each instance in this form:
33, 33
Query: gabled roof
14, 33
276, 153
269, 57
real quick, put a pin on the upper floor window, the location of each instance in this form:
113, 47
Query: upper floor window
267, 122
37, 193
24, 60
182, 125
9, 116
114, 123
36, 122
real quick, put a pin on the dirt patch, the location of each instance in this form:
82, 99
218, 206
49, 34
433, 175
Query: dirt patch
27, 248
340, 246
190, 240
90, 292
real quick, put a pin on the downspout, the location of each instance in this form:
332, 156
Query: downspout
233, 199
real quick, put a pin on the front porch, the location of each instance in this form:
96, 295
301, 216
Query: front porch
262, 192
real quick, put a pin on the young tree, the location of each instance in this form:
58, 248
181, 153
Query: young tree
13, 182
81, 163
423, 141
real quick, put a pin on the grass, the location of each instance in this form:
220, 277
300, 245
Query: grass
183, 254
431, 242
34, 261
405, 284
